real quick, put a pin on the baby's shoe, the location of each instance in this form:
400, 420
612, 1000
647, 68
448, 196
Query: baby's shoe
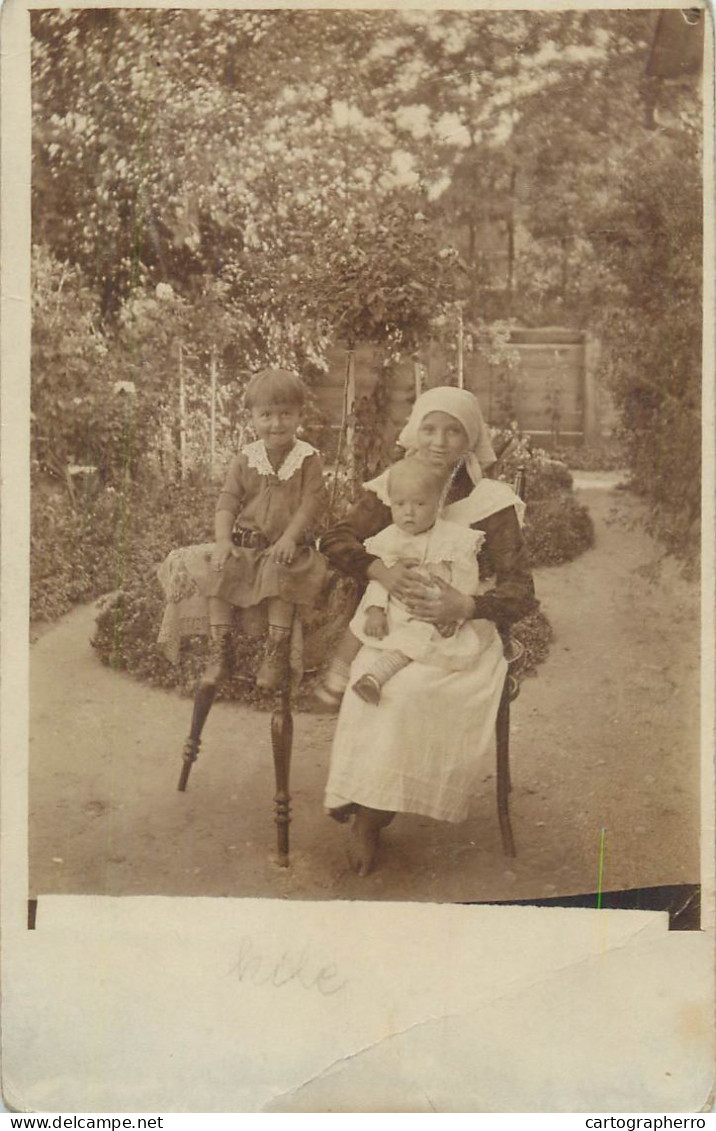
368, 689
273, 672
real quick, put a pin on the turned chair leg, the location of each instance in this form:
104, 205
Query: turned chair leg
502, 739
203, 699
282, 744
218, 665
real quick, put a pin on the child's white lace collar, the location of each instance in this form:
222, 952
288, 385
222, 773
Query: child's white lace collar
257, 458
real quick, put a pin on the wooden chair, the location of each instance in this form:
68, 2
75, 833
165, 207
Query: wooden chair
282, 739
281, 745
510, 691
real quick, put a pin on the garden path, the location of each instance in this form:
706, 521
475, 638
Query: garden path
604, 737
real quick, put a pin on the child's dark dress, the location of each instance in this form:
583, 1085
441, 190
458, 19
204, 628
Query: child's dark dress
263, 502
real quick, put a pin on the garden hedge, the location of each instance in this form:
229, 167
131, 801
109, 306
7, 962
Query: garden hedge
557, 529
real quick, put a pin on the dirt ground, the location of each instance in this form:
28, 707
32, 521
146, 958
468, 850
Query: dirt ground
605, 736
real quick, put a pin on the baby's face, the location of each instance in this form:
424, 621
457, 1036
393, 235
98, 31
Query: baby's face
414, 507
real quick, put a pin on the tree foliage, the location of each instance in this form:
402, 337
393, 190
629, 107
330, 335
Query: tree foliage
235, 188
269, 146
650, 243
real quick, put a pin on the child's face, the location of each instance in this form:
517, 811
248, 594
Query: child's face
414, 507
276, 424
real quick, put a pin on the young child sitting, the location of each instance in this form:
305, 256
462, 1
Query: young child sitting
265, 518
444, 552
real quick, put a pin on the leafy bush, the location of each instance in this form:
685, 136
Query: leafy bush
127, 627
128, 623
557, 529
609, 455
77, 549
84, 410
547, 478
84, 548
113, 541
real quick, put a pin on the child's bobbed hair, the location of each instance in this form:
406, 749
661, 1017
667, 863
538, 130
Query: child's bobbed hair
413, 471
275, 386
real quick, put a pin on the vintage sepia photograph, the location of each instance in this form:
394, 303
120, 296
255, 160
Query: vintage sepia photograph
366, 455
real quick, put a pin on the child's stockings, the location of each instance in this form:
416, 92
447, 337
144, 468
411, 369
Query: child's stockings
273, 670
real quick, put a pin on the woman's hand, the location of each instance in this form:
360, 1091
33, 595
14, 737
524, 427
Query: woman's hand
403, 580
283, 551
450, 605
221, 553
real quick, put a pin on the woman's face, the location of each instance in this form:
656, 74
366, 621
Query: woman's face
442, 440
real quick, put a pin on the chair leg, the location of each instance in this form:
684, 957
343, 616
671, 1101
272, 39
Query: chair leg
218, 665
203, 699
282, 744
282, 741
502, 741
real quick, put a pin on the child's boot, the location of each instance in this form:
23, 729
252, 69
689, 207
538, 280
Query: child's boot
217, 664
274, 666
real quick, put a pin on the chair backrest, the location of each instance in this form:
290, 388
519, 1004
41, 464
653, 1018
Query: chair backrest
520, 484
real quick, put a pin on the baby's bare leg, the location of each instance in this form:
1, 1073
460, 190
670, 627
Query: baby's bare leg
347, 649
327, 696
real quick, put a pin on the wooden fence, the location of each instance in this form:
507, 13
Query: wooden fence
550, 386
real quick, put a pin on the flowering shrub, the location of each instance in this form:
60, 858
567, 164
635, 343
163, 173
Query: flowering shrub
128, 623
534, 633
78, 550
607, 455
127, 626
113, 541
557, 528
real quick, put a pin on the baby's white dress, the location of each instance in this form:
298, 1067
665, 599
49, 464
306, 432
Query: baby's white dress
446, 551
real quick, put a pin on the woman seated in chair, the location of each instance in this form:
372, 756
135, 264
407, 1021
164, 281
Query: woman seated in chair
419, 748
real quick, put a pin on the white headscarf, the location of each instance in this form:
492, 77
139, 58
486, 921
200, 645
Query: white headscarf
466, 409
487, 495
